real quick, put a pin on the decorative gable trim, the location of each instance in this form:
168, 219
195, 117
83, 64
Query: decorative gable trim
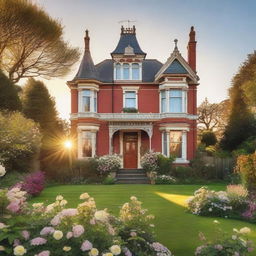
177, 56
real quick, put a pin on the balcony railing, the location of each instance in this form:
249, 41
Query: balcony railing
132, 116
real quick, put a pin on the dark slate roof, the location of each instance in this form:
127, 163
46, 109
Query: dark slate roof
126, 40
149, 69
175, 68
86, 69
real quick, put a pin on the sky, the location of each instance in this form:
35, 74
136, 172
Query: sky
225, 34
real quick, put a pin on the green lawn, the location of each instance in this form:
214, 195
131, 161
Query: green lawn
175, 228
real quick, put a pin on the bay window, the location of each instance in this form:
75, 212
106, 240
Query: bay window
173, 101
87, 100
86, 144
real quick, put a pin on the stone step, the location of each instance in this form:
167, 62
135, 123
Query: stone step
132, 181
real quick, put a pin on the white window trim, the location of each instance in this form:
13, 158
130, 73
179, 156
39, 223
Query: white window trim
130, 71
167, 95
183, 159
80, 102
131, 89
80, 130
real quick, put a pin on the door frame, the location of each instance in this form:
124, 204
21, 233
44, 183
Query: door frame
121, 141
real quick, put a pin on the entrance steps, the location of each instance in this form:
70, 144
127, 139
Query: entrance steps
131, 176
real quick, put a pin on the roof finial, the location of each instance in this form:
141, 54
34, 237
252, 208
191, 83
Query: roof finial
192, 34
176, 42
87, 40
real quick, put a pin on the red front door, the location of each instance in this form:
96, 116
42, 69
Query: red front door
130, 150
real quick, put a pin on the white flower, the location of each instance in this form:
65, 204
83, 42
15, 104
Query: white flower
57, 234
245, 230
59, 197
84, 196
101, 215
66, 248
2, 170
234, 237
94, 252
19, 250
63, 202
49, 207
133, 198
115, 249
2, 225
216, 222
37, 205
210, 209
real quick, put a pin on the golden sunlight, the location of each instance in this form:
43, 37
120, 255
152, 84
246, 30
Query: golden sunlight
180, 200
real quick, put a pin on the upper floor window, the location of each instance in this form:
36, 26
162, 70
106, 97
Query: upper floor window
173, 101
127, 71
87, 101
130, 99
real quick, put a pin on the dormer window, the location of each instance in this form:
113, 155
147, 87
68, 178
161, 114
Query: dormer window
128, 71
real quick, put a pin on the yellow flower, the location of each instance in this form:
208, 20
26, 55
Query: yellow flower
19, 250
66, 248
57, 234
245, 230
94, 252
108, 254
115, 249
101, 215
84, 196
59, 198
63, 202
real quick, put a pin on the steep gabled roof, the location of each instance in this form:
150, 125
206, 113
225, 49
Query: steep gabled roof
128, 39
176, 64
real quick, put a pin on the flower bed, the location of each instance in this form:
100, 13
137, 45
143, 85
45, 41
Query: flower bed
232, 203
165, 179
43, 230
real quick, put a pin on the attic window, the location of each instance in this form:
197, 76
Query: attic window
128, 71
128, 50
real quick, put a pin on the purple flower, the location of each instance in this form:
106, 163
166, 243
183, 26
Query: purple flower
38, 241
43, 253
78, 230
46, 231
16, 242
86, 246
14, 206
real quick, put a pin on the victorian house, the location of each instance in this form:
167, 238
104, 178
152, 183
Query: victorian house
129, 104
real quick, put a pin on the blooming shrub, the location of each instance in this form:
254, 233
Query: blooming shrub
53, 230
2, 170
236, 244
33, 184
165, 179
109, 163
149, 162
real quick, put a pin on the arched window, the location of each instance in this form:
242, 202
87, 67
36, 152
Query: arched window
118, 71
126, 71
135, 71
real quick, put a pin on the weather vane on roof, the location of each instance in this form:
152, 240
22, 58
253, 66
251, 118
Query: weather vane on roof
128, 22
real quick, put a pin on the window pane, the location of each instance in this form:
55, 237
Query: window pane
130, 103
118, 71
95, 101
175, 93
86, 93
176, 143
87, 144
175, 105
135, 71
126, 71
86, 103
130, 95
163, 101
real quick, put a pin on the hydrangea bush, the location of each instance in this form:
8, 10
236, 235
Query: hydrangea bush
224, 244
109, 163
165, 179
149, 162
233, 203
54, 230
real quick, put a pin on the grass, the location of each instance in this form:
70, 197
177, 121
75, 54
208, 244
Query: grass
175, 228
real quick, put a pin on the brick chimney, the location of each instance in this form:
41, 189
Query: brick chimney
192, 49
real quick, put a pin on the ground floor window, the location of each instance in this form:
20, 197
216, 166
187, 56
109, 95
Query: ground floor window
175, 143
87, 144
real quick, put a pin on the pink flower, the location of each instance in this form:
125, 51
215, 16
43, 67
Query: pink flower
250, 249
69, 212
14, 206
69, 235
38, 241
43, 253
55, 221
25, 234
133, 234
92, 222
78, 230
46, 231
86, 246
16, 242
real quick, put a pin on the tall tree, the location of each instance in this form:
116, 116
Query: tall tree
9, 98
31, 42
241, 123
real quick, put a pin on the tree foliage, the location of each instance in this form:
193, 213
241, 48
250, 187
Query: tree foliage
31, 42
241, 124
208, 138
19, 141
9, 98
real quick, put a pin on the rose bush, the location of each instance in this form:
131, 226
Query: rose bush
54, 230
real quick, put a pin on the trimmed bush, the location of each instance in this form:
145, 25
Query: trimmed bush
208, 138
34, 183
